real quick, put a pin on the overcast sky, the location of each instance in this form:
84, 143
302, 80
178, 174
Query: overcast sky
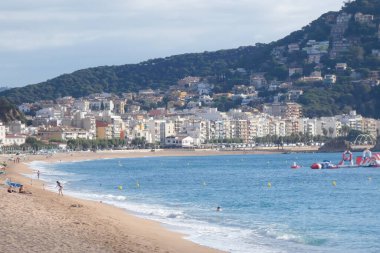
41, 39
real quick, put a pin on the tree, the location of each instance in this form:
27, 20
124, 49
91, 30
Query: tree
140, 142
331, 131
345, 130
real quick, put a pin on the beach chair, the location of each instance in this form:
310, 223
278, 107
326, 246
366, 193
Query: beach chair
12, 184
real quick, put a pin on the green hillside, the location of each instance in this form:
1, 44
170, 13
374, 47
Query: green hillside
157, 73
353, 89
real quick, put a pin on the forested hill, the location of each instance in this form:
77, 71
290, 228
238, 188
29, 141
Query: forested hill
157, 73
350, 38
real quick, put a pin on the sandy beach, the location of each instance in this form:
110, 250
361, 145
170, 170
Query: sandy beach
45, 222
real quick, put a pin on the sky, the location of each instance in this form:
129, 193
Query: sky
42, 39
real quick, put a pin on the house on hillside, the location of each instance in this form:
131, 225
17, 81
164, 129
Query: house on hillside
329, 79
341, 66
293, 71
204, 88
363, 18
258, 80
293, 47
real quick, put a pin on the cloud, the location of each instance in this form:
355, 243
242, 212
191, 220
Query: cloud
65, 23
135, 30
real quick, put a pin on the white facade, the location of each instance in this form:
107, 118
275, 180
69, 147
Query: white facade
49, 113
14, 140
2, 134
167, 128
82, 105
181, 142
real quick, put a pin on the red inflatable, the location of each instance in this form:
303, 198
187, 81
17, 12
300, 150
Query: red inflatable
316, 166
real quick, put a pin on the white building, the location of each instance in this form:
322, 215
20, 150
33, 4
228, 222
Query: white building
332, 126
2, 134
14, 139
82, 105
181, 142
167, 128
16, 127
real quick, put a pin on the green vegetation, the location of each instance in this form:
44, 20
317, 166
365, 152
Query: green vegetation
224, 104
364, 6
233, 140
157, 73
342, 98
34, 144
84, 144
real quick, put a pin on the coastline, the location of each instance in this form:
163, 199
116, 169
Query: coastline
45, 222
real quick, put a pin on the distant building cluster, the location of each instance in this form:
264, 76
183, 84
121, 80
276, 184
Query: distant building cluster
102, 116
316, 50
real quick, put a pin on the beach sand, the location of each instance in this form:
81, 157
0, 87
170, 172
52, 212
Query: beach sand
45, 222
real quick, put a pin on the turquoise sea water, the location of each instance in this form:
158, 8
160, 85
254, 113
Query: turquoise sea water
266, 206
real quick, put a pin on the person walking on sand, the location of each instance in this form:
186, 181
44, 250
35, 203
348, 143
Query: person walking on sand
60, 188
38, 174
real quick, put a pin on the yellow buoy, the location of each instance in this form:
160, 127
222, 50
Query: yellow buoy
269, 184
334, 183
120, 187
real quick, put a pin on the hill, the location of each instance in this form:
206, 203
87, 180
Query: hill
350, 36
157, 73
8, 112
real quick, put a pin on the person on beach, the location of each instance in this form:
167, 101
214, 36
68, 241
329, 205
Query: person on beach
21, 189
38, 174
60, 188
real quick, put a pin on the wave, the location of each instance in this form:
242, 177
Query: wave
231, 239
291, 236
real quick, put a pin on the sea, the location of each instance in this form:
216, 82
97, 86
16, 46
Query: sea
265, 206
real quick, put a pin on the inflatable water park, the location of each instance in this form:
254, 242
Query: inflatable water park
367, 159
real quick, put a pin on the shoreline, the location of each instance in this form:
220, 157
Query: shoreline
148, 235
45, 222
